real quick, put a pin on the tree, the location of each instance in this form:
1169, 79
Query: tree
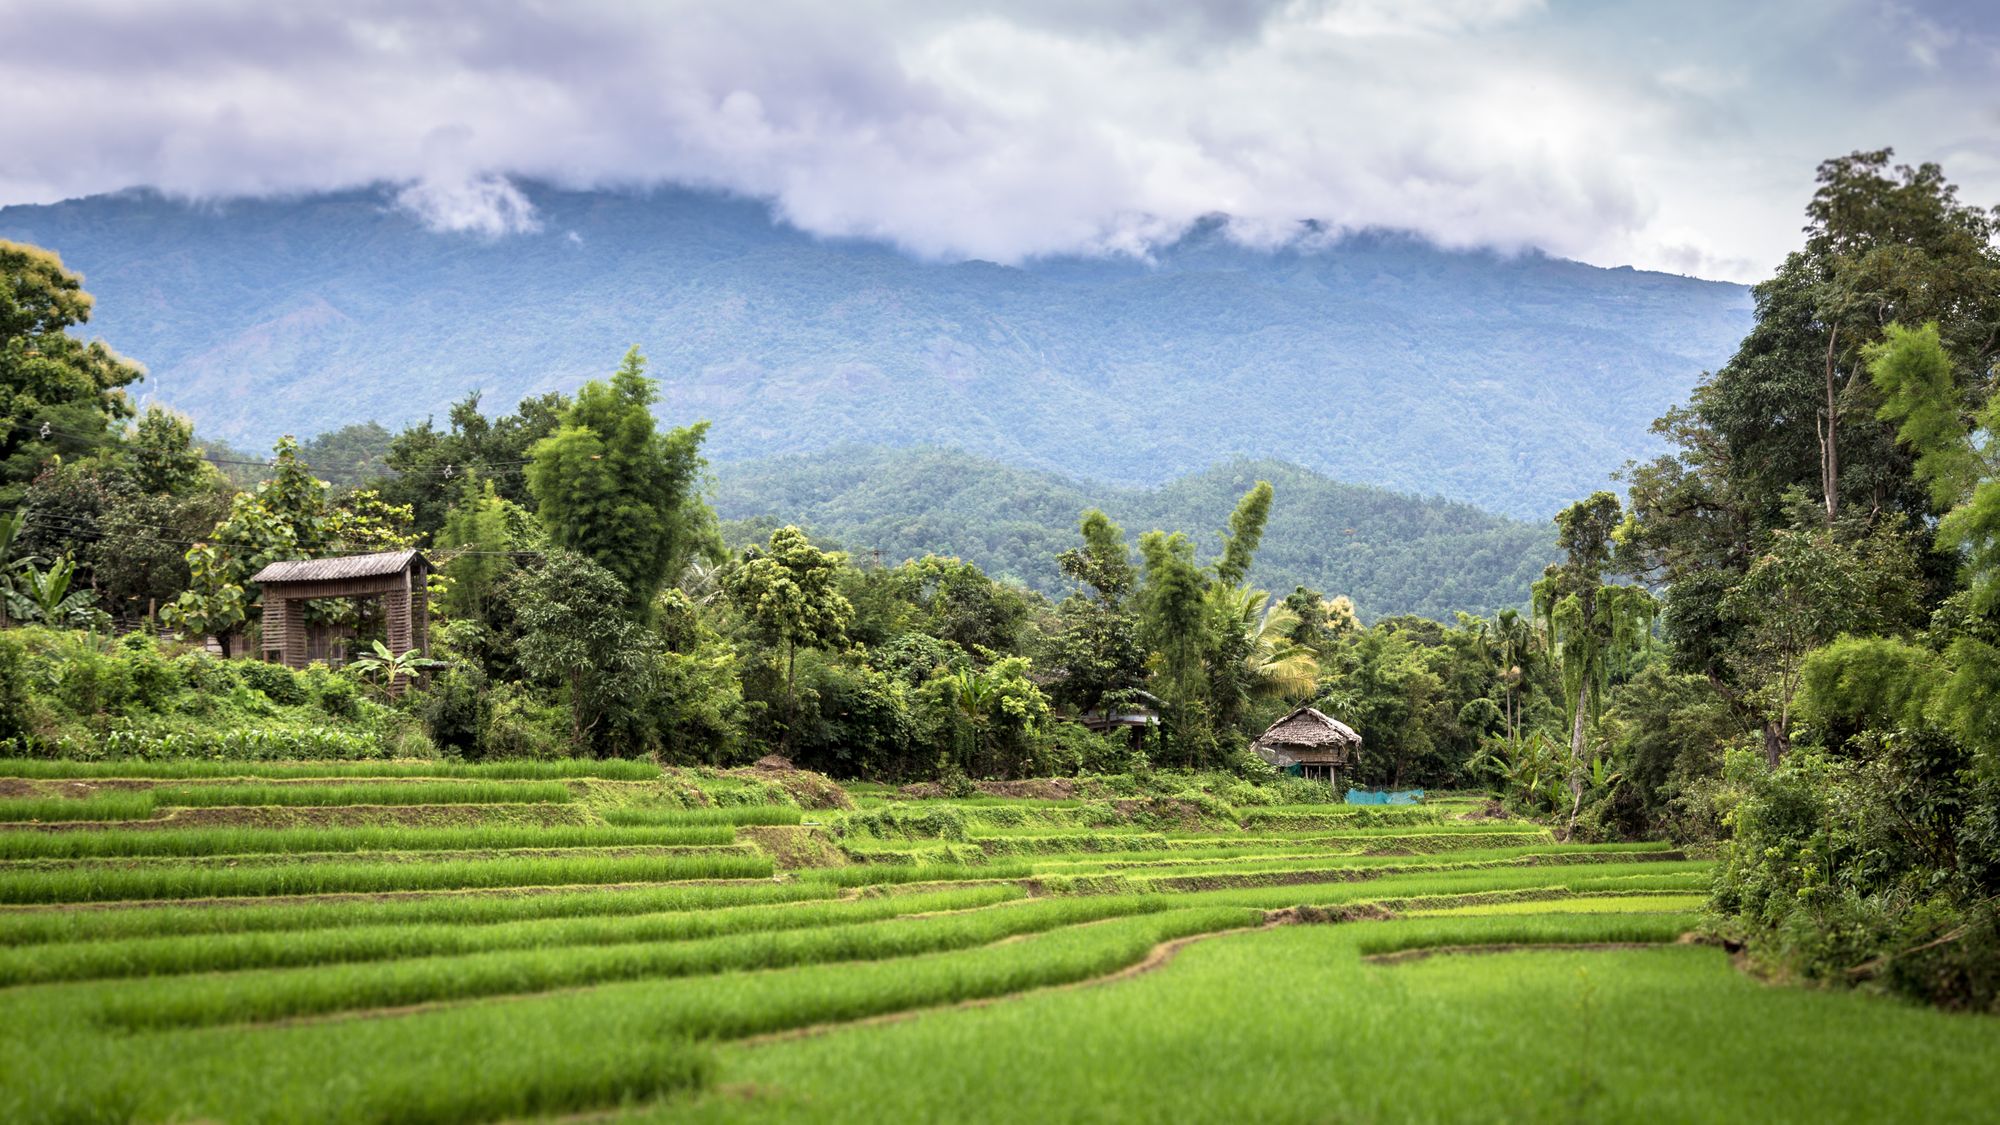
287, 516
1958, 459
791, 592
1884, 246
1812, 586
611, 487
1590, 624
1173, 612
1246, 532
429, 465
477, 545
48, 596
59, 396
1097, 652
575, 634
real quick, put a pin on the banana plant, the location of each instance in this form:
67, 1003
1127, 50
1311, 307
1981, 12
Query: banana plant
386, 670
45, 596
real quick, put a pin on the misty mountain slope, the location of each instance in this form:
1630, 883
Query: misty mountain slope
1513, 383
1391, 552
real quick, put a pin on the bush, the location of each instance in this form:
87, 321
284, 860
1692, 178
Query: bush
521, 726
335, 693
1072, 749
456, 710
14, 709
278, 683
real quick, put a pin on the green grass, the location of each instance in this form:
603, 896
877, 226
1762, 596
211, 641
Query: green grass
141, 804
46, 925
106, 884
724, 815
357, 1070
618, 770
255, 841
288, 993
514, 970
165, 956
363, 793
116, 804
1260, 1026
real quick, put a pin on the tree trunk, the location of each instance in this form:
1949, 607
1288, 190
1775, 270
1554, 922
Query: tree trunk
1576, 751
1776, 743
1829, 460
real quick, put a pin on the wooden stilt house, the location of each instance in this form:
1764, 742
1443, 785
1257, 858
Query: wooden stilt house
1309, 744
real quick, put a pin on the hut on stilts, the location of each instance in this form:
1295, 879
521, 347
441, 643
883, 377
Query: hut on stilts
1309, 744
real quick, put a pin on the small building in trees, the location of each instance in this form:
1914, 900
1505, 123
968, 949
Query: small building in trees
1308, 743
395, 578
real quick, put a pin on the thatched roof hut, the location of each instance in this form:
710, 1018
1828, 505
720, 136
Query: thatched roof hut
1308, 743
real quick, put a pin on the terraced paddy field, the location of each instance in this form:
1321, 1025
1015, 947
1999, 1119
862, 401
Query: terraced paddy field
427, 942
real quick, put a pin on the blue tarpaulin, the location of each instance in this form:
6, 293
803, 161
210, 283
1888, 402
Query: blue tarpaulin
1384, 797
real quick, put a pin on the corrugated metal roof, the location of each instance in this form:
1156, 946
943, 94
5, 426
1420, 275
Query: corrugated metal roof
334, 569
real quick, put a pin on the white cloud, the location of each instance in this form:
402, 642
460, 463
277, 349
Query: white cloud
1680, 138
486, 204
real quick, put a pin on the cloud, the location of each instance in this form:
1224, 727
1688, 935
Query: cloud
486, 204
1616, 132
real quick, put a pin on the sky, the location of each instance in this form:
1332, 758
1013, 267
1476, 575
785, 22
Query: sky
1679, 136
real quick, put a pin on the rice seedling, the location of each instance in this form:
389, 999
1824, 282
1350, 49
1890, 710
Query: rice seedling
112, 884
287, 993
261, 841
609, 769
165, 956
117, 804
889, 873
45, 925
1229, 1032
724, 814
363, 793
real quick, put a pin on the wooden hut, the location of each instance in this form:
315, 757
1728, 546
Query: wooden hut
1310, 744
395, 577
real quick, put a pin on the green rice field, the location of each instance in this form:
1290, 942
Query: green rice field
424, 942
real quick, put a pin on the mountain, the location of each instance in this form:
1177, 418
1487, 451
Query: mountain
1391, 553
1516, 383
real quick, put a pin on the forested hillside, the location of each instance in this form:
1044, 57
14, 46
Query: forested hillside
1390, 553
1509, 382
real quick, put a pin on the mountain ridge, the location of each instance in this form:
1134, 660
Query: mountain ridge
1391, 552
1513, 382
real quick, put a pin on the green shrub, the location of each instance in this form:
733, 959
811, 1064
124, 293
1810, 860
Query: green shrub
333, 692
930, 822
521, 726
14, 708
456, 708
278, 683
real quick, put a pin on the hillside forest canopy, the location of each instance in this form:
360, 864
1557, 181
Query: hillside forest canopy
1780, 642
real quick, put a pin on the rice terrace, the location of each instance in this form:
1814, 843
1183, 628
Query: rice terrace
408, 941
1156, 561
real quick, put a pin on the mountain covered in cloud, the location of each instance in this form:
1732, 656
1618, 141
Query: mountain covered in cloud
1511, 382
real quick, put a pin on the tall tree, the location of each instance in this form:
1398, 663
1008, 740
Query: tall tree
59, 396
1246, 532
1098, 652
1589, 622
1173, 608
791, 592
611, 487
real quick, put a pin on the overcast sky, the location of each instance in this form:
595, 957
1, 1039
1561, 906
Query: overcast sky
1670, 135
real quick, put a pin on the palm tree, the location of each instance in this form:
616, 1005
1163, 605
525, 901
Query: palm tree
1509, 641
1274, 665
